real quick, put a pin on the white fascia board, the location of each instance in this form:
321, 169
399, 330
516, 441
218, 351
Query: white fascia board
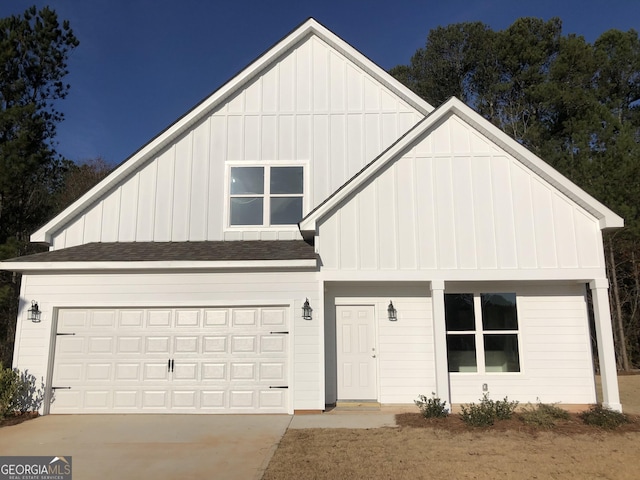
161, 265
310, 27
606, 217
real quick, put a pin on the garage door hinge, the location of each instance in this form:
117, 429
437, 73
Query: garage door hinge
279, 333
65, 333
278, 386
60, 388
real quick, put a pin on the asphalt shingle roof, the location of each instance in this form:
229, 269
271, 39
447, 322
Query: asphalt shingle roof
178, 251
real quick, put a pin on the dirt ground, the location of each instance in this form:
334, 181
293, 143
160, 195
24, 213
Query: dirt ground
429, 450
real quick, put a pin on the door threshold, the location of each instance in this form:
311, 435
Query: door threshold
354, 405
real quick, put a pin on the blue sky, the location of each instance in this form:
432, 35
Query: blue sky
141, 64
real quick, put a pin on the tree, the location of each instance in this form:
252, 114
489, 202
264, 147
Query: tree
34, 48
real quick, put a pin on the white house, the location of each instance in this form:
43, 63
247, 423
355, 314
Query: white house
436, 255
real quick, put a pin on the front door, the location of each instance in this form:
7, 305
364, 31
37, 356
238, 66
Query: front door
356, 353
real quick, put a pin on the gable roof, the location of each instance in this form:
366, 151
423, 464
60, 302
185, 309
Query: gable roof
606, 217
149, 255
308, 28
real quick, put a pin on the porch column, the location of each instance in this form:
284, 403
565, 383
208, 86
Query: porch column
440, 341
604, 335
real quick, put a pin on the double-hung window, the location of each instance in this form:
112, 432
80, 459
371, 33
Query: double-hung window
266, 195
482, 332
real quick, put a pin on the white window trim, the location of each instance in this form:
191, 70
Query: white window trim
479, 332
306, 195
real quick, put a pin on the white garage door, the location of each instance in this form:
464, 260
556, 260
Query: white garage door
182, 360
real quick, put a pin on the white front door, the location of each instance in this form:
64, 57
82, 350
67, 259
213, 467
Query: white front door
356, 353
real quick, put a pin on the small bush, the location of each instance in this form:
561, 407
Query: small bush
543, 415
10, 385
432, 407
486, 412
603, 417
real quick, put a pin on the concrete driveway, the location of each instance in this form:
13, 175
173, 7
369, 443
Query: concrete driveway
152, 446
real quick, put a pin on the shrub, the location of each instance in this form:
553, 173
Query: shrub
601, 416
543, 415
486, 412
432, 407
10, 384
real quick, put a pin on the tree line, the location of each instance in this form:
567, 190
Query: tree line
573, 103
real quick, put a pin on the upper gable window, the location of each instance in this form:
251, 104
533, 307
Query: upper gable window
265, 196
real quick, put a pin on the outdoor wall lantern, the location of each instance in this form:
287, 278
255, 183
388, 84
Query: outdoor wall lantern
306, 310
392, 312
34, 312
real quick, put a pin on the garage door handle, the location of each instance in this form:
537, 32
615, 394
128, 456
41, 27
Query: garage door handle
65, 333
279, 333
60, 388
278, 386
172, 365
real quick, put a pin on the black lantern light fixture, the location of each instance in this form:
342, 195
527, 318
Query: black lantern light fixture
392, 313
34, 312
306, 310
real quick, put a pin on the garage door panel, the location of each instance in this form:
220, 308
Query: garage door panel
209, 360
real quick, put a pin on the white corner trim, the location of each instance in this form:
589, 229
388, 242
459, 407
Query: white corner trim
161, 265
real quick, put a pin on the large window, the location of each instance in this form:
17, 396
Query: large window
265, 196
482, 332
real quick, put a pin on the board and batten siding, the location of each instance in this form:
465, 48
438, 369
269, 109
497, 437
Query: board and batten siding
456, 201
555, 357
313, 107
121, 290
404, 349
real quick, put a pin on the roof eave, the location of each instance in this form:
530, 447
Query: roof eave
159, 265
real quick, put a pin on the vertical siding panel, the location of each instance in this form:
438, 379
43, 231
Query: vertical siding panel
485, 219
287, 84
367, 228
75, 232
164, 197
565, 233
348, 236
199, 183
110, 217
235, 138
269, 137
371, 95
303, 137
252, 97
354, 88
287, 136
321, 170
460, 141
252, 137
387, 224
425, 213
523, 217
129, 210
303, 78
543, 223
445, 219
587, 232
406, 214
182, 190
355, 141
270, 90
93, 224
329, 242
465, 212
503, 211
371, 137
320, 76
389, 129
338, 168
217, 178
146, 204
337, 82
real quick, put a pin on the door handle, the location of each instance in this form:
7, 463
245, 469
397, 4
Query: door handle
169, 365
373, 356
172, 365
